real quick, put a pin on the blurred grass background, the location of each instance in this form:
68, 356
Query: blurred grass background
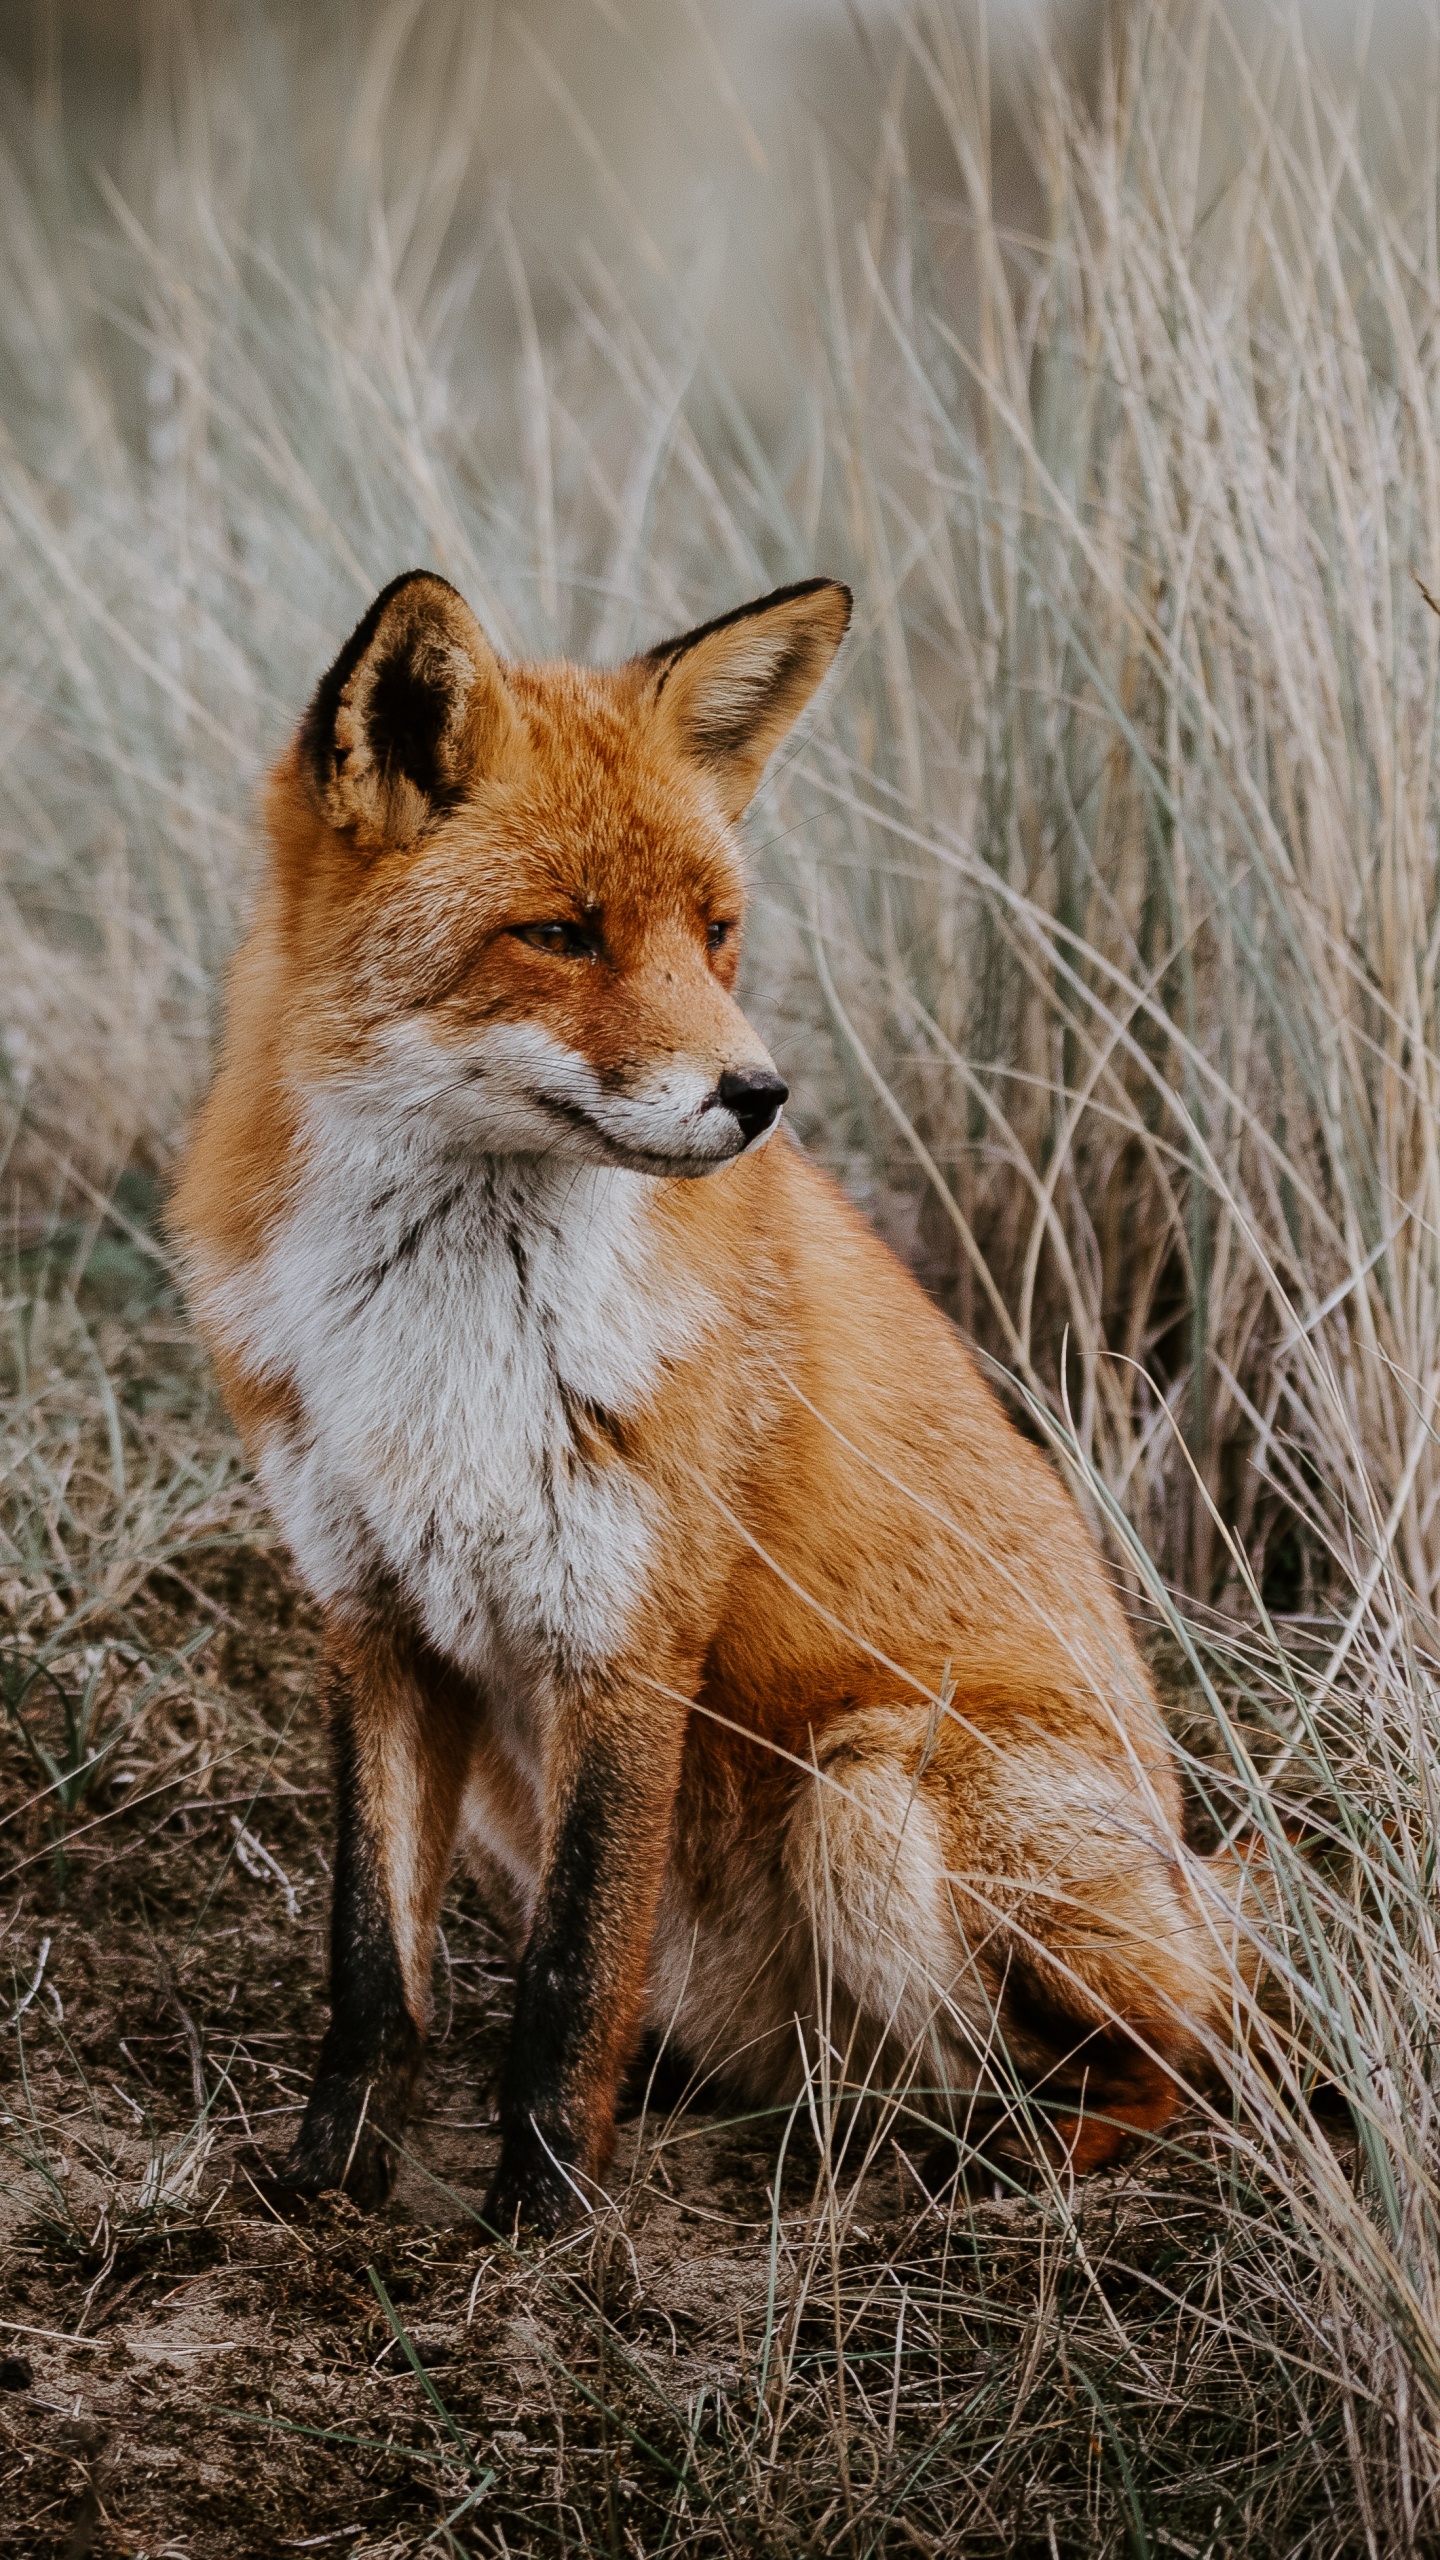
1094, 925
1096, 916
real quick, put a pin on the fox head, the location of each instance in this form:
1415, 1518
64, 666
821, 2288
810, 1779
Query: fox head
513, 895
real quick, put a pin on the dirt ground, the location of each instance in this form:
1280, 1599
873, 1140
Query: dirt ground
777, 2342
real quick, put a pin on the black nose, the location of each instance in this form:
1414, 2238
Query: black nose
755, 1096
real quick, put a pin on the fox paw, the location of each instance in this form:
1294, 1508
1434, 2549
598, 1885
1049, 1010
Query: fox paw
531, 2192
343, 2147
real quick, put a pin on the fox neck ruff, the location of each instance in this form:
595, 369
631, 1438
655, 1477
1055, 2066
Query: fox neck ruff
458, 1339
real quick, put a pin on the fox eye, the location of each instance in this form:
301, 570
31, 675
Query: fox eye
718, 934
566, 940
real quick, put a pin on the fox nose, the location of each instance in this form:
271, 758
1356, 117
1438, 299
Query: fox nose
755, 1095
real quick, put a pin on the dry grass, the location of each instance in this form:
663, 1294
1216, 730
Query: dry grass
1097, 924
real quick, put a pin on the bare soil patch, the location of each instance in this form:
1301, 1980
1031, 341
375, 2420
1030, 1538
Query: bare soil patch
777, 2342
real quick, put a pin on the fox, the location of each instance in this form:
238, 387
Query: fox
679, 1571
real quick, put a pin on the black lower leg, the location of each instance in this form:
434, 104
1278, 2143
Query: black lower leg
370, 2058
555, 2105
542, 2135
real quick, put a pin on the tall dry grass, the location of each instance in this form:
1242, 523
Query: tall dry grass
1097, 919
1147, 951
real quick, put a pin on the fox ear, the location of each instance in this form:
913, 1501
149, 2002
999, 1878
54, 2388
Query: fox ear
726, 694
414, 708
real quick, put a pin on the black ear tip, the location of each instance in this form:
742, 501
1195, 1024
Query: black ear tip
666, 652
817, 587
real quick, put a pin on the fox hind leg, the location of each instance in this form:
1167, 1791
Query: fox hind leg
1024, 2009
894, 1983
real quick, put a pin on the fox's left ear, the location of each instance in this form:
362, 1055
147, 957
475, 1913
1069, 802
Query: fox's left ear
726, 694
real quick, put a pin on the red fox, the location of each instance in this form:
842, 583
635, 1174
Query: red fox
677, 1564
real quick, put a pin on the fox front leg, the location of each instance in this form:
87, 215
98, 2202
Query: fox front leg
399, 1734
580, 1989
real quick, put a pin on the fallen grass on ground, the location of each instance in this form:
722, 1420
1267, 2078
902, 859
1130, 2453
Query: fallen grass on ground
1095, 924
788, 2335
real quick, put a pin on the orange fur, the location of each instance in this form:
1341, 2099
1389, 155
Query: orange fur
794, 1701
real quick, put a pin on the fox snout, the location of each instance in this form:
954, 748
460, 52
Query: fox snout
754, 1096
680, 1070
696, 1125
528, 1091
688, 1077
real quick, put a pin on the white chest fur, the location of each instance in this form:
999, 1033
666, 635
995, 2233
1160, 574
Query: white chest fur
452, 1326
